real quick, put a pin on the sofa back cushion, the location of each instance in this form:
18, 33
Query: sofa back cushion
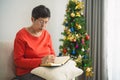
7, 68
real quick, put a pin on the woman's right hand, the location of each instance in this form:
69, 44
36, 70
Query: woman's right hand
48, 59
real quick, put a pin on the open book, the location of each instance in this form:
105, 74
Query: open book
58, 61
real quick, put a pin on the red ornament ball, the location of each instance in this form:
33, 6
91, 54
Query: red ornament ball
64, 50
87, 37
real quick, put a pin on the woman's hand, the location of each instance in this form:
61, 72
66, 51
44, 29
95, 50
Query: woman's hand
48, 59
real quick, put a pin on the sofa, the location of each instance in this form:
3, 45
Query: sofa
7, 69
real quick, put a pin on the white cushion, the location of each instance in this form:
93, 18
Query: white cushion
66, 72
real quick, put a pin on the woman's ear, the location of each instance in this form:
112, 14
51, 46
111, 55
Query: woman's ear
32, 19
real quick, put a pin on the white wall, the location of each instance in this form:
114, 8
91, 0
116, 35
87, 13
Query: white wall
112, 30
15, 14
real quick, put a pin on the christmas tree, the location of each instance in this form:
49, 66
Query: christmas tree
76, 40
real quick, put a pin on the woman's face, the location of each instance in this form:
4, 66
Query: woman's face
40, 23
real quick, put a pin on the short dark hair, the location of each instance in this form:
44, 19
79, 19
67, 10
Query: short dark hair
40, 12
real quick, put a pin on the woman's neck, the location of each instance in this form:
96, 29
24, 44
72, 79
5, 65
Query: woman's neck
34, 32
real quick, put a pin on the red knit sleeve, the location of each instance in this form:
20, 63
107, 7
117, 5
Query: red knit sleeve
51, 46
20, 61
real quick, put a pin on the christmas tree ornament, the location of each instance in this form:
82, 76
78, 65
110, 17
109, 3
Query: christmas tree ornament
73, 52
65, 29
78, 26
83, 49
77, 36
74, 40
65, 38
67, 10
81, 5
60, 54
70, 38
81, 12
89, 72
64, 51
88, 69
72, 14
76, 46
85, 57
78, 14
72, 29
79, 59
65, 20
85, 65
87, 37
83, 41
77, 7
66, 24
68, 31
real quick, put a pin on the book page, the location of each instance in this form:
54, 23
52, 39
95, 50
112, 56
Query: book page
58, 61
61, 60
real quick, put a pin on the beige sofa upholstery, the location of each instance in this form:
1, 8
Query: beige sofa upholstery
7, 67
7, 70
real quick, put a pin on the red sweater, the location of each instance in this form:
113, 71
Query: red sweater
29, 50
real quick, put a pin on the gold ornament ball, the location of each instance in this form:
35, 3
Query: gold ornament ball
72, 14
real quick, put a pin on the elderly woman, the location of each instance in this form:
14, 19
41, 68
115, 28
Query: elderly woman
33, 45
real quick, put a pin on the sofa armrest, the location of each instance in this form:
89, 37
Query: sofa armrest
7, 70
